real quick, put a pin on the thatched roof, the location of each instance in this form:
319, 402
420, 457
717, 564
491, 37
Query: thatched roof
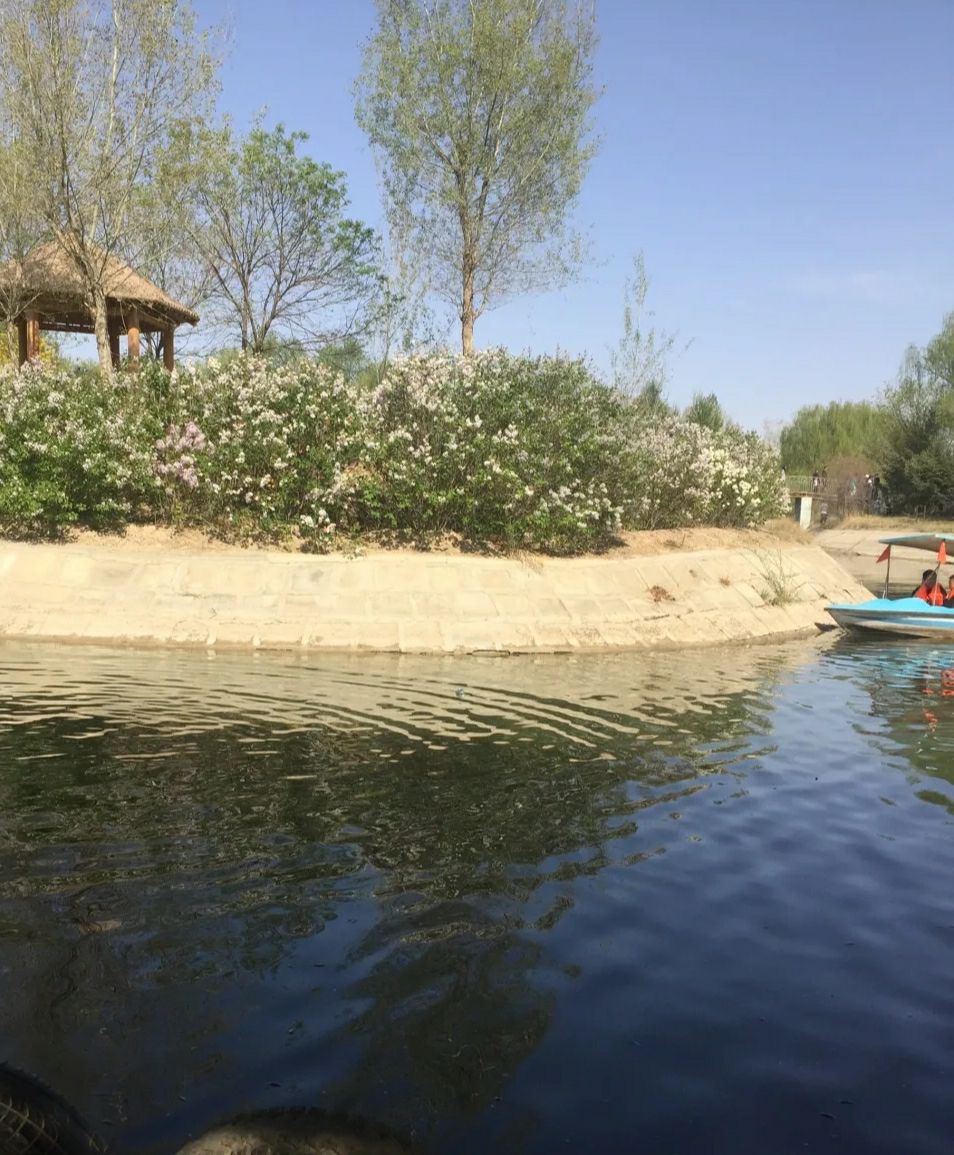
48, 276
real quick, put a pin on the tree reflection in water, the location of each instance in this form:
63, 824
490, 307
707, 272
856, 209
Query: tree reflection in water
239, 884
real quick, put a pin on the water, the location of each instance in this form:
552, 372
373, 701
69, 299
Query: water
665, 904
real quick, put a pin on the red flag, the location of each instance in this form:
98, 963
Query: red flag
942, 553
886, 555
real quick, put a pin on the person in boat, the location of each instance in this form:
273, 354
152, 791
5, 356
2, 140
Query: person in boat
949, 600
929, 591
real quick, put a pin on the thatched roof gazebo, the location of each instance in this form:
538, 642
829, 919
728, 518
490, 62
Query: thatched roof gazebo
51, 294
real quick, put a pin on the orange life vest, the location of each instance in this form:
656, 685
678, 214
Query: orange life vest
933, 596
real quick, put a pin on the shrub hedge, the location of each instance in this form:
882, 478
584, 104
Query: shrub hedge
520, 452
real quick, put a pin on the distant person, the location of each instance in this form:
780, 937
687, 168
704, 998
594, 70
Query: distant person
929, 591
823, 513
877, 495
815, 481
824, 479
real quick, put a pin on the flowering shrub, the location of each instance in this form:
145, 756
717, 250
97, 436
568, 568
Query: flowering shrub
518, 451
686, 474
745, 480
492, 447
73, 447
253, 448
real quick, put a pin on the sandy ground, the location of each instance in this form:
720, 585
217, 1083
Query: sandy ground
646, 543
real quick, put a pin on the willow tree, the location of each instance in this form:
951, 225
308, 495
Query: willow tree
818, 434
91, 92
479, 113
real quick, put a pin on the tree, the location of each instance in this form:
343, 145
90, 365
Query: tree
286, 263
20, 229
478, 111
818, 434
90, 92
168, 214
704, 409
638, 365
919, 432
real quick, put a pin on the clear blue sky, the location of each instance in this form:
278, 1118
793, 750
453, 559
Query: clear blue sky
786, 166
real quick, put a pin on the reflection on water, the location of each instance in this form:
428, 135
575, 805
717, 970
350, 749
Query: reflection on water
693, 899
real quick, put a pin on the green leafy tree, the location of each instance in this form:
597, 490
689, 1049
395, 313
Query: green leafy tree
704, 409
919, 433
479, 111
820, 434
651, 401
286, 264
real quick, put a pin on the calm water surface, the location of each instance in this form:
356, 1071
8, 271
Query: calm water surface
669, 904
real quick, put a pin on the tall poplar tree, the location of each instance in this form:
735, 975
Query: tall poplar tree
479, 113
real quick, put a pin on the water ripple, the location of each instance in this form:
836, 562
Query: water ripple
698, 899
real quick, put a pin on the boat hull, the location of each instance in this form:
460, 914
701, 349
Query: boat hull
908, 617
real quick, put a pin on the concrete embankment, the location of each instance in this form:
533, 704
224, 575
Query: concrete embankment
858, 550
414, 602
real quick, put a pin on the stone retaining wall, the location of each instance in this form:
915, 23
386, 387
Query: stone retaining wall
412, 603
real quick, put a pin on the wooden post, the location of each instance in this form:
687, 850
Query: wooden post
132, 339
114, 344
169, 348
32, 336
22, 339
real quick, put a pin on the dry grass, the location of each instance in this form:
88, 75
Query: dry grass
786, 529
913, 524
781, 587
781, 531
773, 536
659, 594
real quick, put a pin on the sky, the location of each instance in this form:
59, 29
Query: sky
785, 167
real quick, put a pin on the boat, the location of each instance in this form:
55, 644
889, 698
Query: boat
910, 617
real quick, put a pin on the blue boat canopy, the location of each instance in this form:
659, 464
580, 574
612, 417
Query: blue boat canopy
927, 541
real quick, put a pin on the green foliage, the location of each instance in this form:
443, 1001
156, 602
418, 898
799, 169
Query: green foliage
74, 447
495, 448
919, 432
818, 434
518, 452
288, 266
704, 409
347, 357
479, 111
683, 474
